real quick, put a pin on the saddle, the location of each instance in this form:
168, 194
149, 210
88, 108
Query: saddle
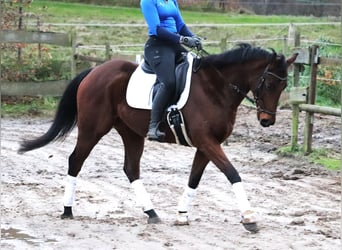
143, 83
143, 86
182, 66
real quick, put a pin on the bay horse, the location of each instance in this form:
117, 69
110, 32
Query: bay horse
95, 101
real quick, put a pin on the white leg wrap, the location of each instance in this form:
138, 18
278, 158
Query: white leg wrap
241, 197
143, 198
186, 199
69, 192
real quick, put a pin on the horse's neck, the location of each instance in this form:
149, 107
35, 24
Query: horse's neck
244, 78
236, 86
229, 86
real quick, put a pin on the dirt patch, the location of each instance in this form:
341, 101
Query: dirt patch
298, 202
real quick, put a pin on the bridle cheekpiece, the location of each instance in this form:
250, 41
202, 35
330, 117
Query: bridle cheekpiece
260, 87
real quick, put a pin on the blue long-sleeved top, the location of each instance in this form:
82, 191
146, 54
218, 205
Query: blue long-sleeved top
164, 20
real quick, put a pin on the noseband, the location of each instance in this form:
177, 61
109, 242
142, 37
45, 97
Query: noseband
260, 87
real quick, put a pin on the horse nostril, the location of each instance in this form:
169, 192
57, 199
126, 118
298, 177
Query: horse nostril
266, 122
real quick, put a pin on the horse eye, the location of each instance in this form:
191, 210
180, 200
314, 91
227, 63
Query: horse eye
269, 86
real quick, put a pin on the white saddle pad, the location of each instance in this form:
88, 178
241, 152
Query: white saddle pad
140, 87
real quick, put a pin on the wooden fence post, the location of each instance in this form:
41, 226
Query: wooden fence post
295, 107
73, 53
108, 51
285, 45
312, 98
20, 27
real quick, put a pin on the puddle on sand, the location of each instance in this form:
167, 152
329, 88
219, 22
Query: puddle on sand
16, 234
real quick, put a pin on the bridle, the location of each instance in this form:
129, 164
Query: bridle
260, 86
257, 93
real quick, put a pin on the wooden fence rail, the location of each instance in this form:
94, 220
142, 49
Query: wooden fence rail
59, 39
50, 88
320, 109
23, 36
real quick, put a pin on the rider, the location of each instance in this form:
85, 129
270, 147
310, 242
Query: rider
167, 32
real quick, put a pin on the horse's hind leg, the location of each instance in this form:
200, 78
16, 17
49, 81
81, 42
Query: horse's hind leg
134, 146
85, 143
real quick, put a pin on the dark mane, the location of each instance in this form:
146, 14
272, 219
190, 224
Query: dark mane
241, 53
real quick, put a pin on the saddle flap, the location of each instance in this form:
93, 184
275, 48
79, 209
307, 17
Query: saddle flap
181, 72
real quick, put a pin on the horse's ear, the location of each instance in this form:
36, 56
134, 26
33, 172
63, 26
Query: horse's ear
291, 60
274, 55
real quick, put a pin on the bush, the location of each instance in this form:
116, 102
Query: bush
328, 90
31, 67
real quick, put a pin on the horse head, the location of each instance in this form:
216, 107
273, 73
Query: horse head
270, 86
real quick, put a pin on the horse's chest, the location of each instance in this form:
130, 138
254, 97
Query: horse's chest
229, 130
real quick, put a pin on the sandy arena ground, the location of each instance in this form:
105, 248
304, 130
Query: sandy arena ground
299, 203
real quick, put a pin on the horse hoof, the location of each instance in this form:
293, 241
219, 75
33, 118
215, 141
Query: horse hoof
251, 227
67, 216
183, 219
249, 221
154, 220
181, 223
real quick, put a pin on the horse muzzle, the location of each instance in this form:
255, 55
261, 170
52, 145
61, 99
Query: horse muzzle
265, 119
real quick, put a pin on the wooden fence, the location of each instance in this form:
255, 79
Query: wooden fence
303, 99
49, 88
54, 88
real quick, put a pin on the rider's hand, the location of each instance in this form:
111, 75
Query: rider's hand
191, 42
199, 45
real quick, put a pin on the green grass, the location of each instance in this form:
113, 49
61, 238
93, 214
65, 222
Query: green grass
330, 163
74, 12
322, 156
60, 11
327, 158
28, 106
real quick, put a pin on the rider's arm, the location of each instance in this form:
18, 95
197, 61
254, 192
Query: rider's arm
150, 13
180, 24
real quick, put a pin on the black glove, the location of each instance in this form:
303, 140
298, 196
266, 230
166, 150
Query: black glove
191, 42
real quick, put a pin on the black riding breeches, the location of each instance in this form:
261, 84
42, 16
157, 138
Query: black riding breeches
162, 56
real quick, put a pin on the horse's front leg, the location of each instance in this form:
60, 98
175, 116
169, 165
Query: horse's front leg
214, 153
134, 145
184, 205
218, 157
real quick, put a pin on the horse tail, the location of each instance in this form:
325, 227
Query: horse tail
65, 118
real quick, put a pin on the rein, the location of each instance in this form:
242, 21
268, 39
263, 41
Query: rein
255, 99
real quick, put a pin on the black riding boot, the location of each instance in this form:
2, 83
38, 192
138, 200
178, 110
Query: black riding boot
159, 106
